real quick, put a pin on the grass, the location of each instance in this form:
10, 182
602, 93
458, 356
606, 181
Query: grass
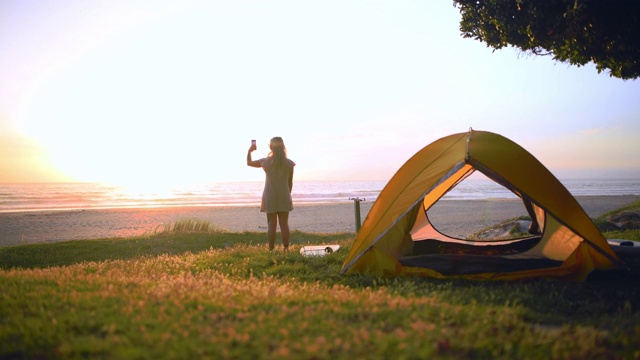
601, 222
633, 206
191, 291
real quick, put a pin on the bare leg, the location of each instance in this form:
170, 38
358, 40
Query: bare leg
272, 222
283, 217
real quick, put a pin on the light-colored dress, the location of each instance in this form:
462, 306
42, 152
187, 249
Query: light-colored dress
276, 196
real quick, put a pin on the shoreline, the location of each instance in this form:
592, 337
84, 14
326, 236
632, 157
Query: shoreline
455, 217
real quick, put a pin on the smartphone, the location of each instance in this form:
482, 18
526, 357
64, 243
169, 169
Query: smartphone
253, 142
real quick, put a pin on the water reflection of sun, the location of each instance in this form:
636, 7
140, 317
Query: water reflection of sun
146, 193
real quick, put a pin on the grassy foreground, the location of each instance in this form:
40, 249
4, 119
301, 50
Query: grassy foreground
212, 294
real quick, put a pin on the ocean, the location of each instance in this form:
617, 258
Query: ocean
75, 196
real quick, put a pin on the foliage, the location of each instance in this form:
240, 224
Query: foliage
611, 231
170, 242
634, 206
242, 301
573, 31
633, 234
224, 295
192, 226
506, 230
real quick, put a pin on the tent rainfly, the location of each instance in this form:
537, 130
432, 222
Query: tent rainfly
397, 238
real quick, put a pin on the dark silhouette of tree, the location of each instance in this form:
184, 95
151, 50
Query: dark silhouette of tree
605, 32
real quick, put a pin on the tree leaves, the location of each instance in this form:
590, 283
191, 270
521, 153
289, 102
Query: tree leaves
578, 32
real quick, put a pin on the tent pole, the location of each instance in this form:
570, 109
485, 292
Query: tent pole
466, 155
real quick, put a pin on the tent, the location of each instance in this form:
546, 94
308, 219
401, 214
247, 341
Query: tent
397, 237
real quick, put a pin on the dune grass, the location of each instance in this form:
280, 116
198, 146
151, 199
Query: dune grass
182, 293
632, 206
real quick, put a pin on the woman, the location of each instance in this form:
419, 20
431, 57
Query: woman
276, 197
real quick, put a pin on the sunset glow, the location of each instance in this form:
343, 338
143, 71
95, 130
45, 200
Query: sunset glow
153, 95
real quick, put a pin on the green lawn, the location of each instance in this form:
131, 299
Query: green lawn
214, 294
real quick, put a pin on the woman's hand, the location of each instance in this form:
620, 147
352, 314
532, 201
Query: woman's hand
251, 162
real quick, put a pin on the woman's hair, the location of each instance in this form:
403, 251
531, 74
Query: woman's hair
278, 153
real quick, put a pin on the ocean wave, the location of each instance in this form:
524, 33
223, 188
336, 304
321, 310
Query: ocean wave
66, 196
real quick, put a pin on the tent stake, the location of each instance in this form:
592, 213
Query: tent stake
356, 205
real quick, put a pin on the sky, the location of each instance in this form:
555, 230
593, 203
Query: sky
154, 93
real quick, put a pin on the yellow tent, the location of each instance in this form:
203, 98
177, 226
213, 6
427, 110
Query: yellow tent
397, 237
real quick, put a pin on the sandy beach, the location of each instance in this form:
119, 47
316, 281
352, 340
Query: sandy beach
458, 218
